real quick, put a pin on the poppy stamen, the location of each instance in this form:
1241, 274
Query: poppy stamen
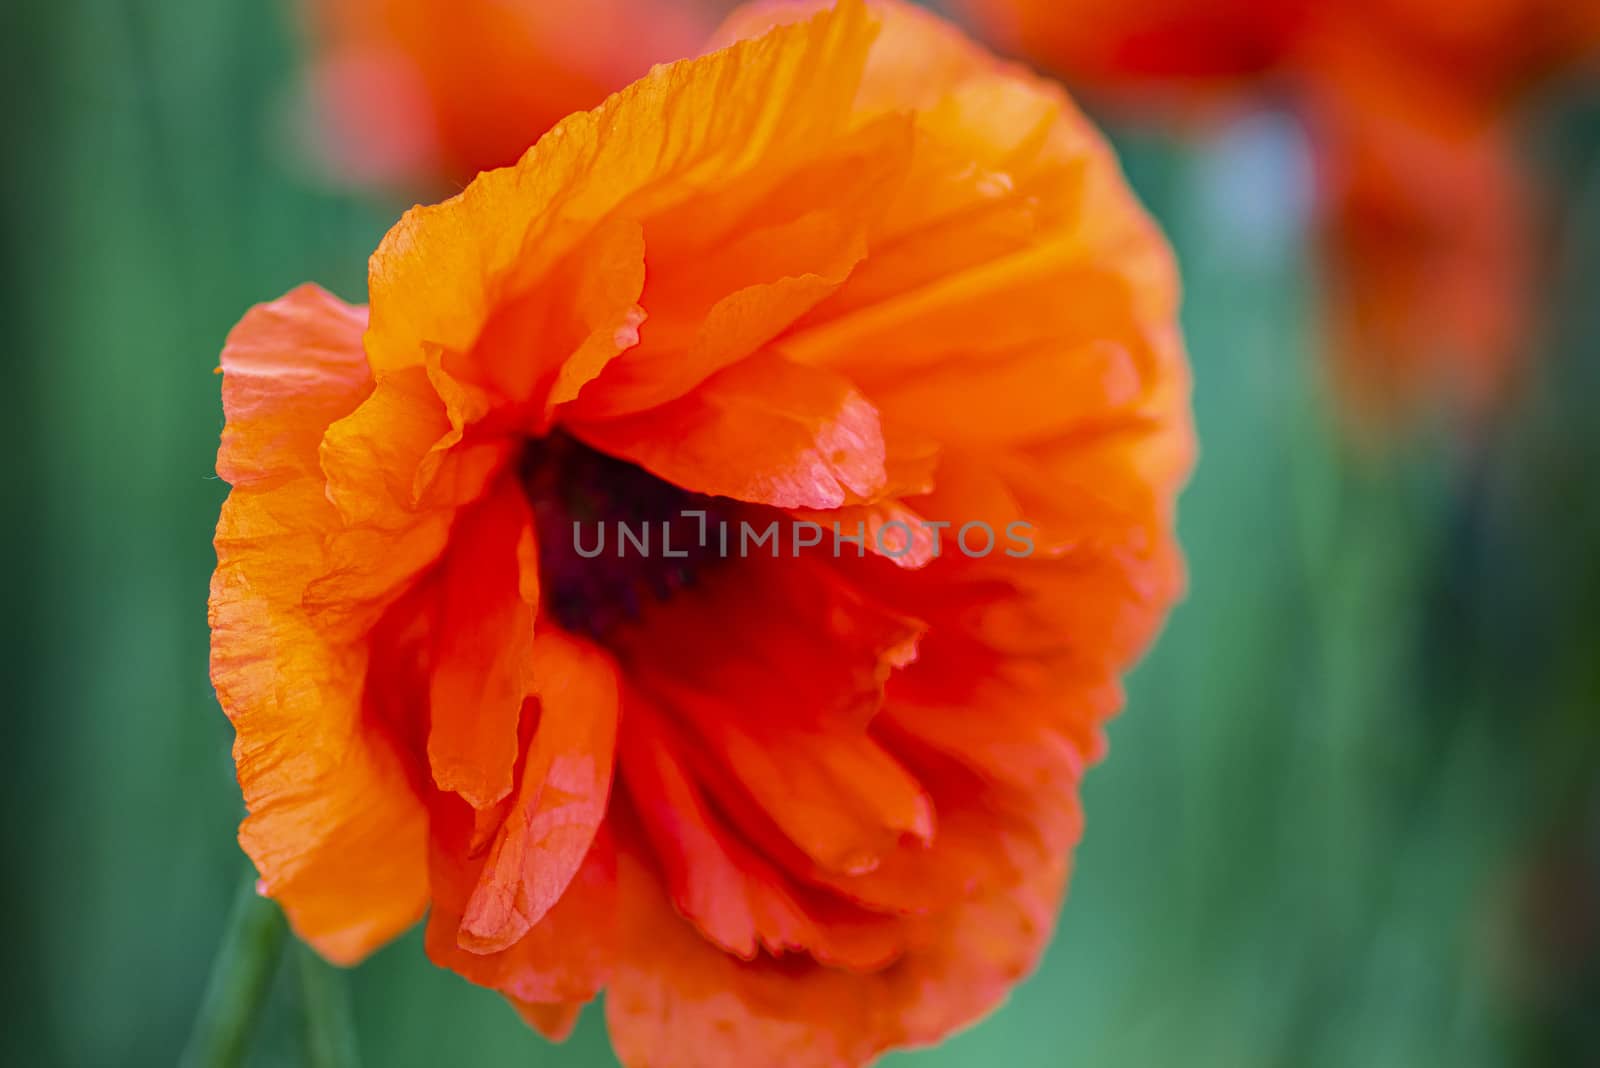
612, 536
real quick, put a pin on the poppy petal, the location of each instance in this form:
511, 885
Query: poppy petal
560, 800
737, 898
441, 272
305, 345
554, 1020
334, 827
716, 297
766, 431
564, 958
483, 639
537, 351
677, 1000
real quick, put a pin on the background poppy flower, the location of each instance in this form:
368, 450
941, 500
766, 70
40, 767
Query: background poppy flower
1160, 50
427, 93
1428, 222
799, 809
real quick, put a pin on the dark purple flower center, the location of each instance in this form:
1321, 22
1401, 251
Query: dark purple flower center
612, 536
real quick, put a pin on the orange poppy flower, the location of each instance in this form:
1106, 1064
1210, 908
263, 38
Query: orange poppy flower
1427, 218
534, 607
427, 93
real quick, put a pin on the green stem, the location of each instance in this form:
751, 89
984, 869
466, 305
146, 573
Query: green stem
330, 1034
240, 978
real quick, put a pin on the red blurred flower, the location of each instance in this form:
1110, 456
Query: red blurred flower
1410, 104
788, 809
1138, 48
427, 93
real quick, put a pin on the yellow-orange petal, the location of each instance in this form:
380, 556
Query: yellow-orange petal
396, 472
1017, 397
732, 268
536, 351
443, 270
371, 456
766, 431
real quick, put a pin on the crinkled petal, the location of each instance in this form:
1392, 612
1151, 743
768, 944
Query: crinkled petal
334, 827
306, 345
727, 276
766, 431
734, 895
561, 799
443, 270
565, 958
483, 646
677, 1000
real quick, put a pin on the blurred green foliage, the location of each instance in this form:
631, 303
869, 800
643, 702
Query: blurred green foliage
1351, 815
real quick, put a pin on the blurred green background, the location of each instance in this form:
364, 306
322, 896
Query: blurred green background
1351, 817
